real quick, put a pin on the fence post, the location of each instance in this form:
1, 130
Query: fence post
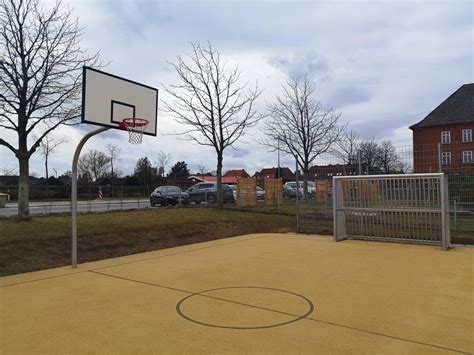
339, 219
326, 202
359, 161
297, 197
440, 160
89, 199
455, 215
445, 229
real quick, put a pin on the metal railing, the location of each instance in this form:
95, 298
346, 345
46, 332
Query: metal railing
410, 208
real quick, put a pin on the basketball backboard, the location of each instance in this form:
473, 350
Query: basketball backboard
107, 99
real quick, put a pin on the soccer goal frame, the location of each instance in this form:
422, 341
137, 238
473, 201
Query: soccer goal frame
407, 208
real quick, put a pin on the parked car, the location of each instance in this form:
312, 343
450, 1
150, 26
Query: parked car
260, 193
234, 191
289, 192
168, 195
207, 192
311, 187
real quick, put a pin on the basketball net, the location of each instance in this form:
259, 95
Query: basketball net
135, 128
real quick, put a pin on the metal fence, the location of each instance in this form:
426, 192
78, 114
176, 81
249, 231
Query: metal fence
314, 214
426, 158
404, 208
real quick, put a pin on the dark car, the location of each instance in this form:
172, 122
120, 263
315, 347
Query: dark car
207, 192
289, 192
168, 195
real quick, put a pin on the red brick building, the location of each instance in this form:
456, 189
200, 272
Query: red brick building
237, 174
451, 124
273, 173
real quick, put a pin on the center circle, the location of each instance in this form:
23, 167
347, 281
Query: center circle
218, 306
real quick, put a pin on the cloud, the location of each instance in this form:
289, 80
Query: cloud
298, 66
383, 65
348, 95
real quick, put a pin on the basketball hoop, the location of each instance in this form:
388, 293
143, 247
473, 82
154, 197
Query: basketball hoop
135, 128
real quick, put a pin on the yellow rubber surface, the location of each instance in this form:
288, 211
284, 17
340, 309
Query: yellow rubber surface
265, 293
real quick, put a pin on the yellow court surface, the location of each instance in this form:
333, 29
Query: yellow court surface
263, 293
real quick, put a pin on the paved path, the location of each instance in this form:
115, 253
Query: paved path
262, 294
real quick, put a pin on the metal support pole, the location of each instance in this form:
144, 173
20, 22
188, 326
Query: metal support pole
359, 161
297, 197
455, 215
74, 192
278, 177
445, 228
440, 160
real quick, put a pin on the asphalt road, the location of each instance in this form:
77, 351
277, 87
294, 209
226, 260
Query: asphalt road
47, 207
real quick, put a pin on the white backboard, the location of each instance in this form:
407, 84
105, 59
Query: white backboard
107, 99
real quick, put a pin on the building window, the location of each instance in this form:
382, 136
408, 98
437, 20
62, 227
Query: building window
467, 135
467, 157
446, 158
446, 137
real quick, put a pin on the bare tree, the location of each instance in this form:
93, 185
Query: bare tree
9, 171
94, 165
40, 77
389, 159
347, 148
47, 148
201, 169
114, 152
300, 126
163, 160
210, 101
369, 152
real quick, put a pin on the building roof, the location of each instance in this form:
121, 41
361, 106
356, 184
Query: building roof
286, 173
457, 108
237, 173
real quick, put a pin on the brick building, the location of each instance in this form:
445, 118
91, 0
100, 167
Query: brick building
273, 173
451, 124
237, 173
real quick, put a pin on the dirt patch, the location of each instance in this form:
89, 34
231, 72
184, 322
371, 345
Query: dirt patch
19, 256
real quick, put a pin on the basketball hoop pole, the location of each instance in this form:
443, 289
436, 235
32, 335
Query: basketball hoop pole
74, 192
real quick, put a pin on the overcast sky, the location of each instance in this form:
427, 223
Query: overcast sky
383, 64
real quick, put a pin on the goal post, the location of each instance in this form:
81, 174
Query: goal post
409, 208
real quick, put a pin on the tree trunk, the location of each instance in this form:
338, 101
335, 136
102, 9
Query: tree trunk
220, 195
23, 189
305, 169
305, 183
46, 168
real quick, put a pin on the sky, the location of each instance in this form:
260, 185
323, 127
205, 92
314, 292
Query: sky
384, 65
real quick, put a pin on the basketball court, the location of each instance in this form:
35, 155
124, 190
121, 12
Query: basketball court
264, 293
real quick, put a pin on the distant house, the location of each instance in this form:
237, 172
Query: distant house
183, 182
273, 173
451, 125
326, 172
237, 173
